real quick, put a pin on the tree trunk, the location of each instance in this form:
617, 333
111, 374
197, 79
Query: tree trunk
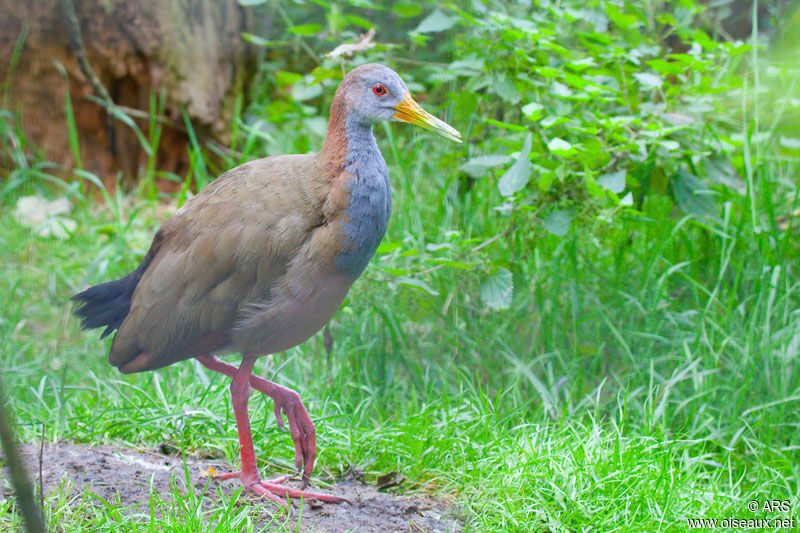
189, 51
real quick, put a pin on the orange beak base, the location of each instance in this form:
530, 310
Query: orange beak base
410, 111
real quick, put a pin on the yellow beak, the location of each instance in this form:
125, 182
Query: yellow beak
410, 111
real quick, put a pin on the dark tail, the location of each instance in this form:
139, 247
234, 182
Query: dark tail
109, 303
106, 304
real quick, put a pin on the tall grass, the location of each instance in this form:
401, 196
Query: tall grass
635, 381
646, 371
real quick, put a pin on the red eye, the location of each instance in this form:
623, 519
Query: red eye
379, 89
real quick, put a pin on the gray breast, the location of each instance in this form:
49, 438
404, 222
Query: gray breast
370, 201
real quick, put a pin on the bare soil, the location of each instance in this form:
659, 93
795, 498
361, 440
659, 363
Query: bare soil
111, 471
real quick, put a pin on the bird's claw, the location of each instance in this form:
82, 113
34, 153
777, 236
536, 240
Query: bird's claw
273, 489
281, 490
303, 432
279, 418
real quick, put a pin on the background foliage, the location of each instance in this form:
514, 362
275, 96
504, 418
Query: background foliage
585, 316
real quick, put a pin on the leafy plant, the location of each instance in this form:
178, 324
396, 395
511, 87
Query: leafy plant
589, 110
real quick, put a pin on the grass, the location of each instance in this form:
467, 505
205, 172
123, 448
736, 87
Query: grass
646, 372
634, 383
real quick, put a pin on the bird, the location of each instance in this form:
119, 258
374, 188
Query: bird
259, 261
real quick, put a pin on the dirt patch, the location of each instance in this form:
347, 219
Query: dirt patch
110, 471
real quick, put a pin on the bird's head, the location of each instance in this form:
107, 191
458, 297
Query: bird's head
375, 92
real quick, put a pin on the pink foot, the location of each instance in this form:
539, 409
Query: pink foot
305, 442
304, 433
288, 402
273, 488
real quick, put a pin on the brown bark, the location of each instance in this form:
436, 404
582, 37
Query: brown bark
189, 49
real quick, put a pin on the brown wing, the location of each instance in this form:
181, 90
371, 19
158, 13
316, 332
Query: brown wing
225, 249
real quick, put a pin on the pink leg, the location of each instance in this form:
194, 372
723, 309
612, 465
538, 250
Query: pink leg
284, 399
240, 393
304, 434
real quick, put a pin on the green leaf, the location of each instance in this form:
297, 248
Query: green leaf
255, 39
592, 186
532, 110
558, 222
545, 180
506, 90
321, 74
720, 170
450, 263
692, 195
387, 246
301, 92
468, 65
497, 288
359, 21
790, 143
477, 167
549, 122
306, 29
623, 20
366, 4
548, 72
518, 174
577, 81
581, 64
559, 89
614, 181
666, 67
418, 284
505, 125
648, 81
287, 78
560, 147
395, 271
406, 9
435, 22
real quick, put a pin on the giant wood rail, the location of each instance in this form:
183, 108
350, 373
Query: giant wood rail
260, 260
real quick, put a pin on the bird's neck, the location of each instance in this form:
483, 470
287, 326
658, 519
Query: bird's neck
351, 148
334, 148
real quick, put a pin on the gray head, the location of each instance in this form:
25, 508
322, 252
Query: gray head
373, 92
